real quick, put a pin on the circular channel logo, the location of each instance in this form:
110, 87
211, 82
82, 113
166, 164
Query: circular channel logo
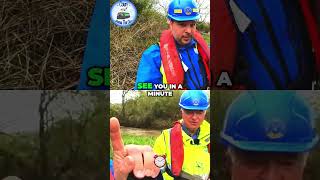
123, 13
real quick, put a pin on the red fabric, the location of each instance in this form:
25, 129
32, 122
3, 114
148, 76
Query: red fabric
111, 176
312, 29
171, 61
224, 40
176, 148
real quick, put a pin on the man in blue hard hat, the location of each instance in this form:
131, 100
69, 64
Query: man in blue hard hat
182, 55
269, 136
186, 146
173, 154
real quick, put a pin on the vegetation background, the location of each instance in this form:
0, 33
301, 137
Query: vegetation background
141, 111
69, 142
128, 44
42, 42
222, 99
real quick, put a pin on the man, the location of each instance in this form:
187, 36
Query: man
268, 136
175, 148
182, 56
186, 146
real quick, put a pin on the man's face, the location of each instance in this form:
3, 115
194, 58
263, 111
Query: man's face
247, 165
192, 119
182, 31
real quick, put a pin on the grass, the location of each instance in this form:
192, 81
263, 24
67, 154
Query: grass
139, 140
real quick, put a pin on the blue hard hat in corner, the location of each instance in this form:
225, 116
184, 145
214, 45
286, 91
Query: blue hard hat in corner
183, 10
194, 100
270, 121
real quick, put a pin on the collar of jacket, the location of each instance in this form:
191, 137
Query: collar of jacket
191, 44
194, 136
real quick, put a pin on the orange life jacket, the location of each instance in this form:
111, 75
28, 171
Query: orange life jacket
171, 61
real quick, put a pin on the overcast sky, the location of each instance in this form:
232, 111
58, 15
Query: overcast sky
19, 111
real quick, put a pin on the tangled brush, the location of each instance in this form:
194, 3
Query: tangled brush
42, 42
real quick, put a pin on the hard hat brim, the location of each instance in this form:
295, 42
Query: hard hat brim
194, 107
184, 18
271, 146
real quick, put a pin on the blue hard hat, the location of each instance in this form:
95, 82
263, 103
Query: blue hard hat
183, 10
270, 121
194, 100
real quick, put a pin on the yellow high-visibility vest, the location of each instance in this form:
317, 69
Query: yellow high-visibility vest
196, 157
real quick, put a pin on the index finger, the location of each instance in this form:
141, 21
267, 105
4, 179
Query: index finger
115, 135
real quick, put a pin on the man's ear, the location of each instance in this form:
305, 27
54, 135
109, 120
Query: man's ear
168, 21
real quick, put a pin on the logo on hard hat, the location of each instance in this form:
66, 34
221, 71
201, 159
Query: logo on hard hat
188, 11
195, 102
275, 129
123, 13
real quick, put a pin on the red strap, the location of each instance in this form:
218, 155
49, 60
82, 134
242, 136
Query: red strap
312, 29
111, 176
224, 40
176, 148
170, 59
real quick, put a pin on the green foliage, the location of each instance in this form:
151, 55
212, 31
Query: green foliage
206, 37
203, 27
150, 112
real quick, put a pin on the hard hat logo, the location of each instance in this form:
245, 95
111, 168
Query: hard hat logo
196, 102
275, 129
188, 11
